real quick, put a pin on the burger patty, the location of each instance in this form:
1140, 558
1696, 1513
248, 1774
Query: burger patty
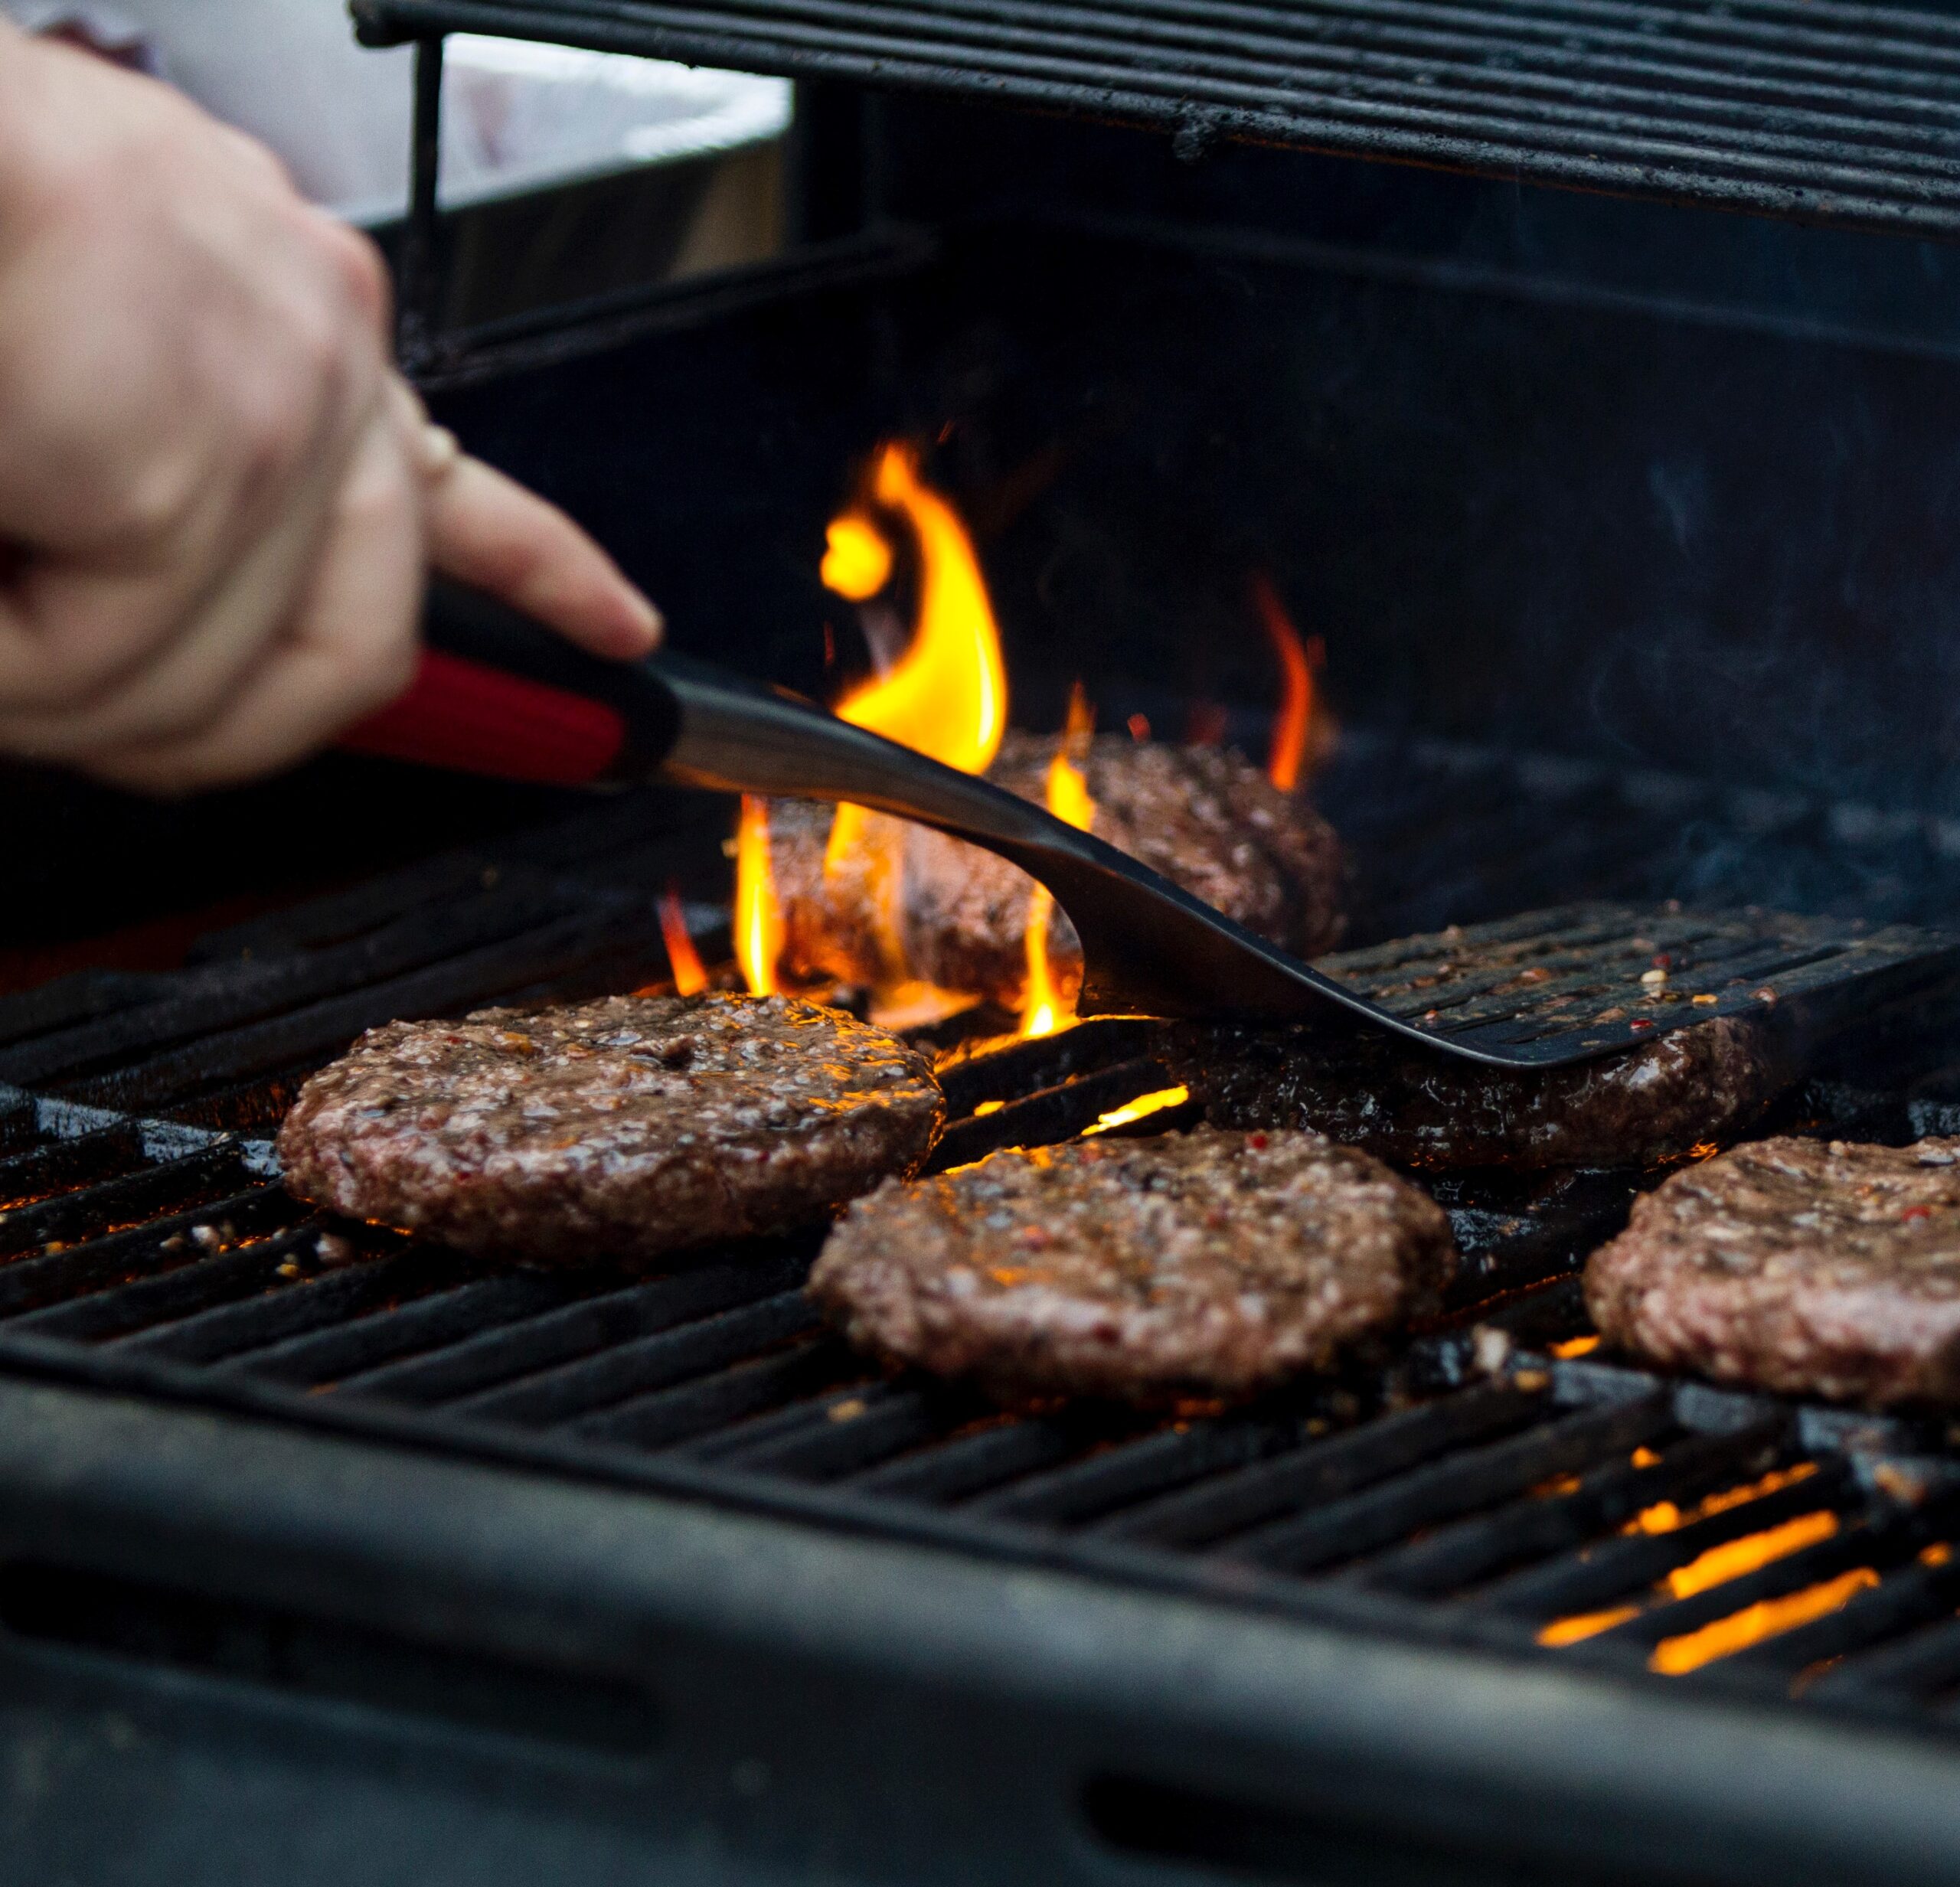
1704, 1083
620, 1129
1205, 1264
1207, 819
1804, 1266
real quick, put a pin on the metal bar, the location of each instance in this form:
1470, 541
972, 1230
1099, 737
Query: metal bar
630, 1369
1325, 1471
966, 1464
1452, 1557
669, 1417
1610, 1569
318, 1358
421, 289
58, 1284
1347, 1528
577, 1330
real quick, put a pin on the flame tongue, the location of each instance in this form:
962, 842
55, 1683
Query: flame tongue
948, 698
690, 978
758, 915
1294, 718
1043, 1008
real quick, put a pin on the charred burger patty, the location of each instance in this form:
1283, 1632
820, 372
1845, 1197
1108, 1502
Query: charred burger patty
620, 1129
1208, 1263
1810, 1267
1207, 819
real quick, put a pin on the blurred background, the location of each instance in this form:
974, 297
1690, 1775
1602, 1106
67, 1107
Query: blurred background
571, 173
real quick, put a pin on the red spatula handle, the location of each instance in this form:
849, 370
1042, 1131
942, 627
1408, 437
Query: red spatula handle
495, 693
472, 719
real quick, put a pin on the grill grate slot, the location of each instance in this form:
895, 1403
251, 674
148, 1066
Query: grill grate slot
575, 1331
1347, 1529
625, 1373
716, 1404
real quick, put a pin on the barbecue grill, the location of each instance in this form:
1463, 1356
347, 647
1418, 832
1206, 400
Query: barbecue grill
329, 1556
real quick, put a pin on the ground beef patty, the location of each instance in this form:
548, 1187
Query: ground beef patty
1806, 1266
1702, 1083
621, 1128
1207, 818
1189, 1265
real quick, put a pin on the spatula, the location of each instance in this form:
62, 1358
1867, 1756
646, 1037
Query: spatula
496, 695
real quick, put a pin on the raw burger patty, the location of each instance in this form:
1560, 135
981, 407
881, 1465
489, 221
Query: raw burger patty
1207, 819
621, 1128
1806, 1266
1205, 1264
1705, 1082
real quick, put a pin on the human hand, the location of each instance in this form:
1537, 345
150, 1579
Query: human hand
218, 501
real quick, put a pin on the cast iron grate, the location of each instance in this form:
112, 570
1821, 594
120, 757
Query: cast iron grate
1486, 1481
1818, 109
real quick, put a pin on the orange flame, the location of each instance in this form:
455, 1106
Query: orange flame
758, 913
1140, 1109
1043, 1009
690, 979
947, 696
1294, 719
857, 558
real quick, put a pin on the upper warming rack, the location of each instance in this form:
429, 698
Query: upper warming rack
1810, 109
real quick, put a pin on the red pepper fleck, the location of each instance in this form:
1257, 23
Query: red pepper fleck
1664, 961
1641, 1022
1917, 1211
1255, 1140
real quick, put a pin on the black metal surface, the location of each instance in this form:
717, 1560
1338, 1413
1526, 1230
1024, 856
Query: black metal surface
1486, 1482
1827, 112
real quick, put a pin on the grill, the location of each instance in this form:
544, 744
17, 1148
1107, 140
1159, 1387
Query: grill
1490, 1484
326, 1556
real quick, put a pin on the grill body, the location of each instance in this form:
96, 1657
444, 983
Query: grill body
1630, 527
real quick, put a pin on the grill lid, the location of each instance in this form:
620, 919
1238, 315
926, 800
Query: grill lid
1809, 109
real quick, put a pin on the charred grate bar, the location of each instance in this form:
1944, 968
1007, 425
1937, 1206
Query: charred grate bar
1827, 111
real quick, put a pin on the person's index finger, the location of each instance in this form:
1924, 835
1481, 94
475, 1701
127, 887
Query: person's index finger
487, 530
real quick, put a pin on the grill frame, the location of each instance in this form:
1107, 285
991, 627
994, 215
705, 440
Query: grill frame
1603, 110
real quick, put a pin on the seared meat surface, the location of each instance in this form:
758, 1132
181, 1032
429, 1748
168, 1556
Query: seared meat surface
1820, 1268
1206, 1264
1207, 819
1705, 1082
620, 1129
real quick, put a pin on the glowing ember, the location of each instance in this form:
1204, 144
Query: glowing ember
1664, 1516
1294, 718
1673, 1657
1718, 1565
758, 914
1582, 1625
1043, 1008
1140, 1109
690, 979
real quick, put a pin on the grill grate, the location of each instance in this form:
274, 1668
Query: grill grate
1822, 110
1486, 1481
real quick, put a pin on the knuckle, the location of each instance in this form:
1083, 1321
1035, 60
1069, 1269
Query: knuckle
363, 275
